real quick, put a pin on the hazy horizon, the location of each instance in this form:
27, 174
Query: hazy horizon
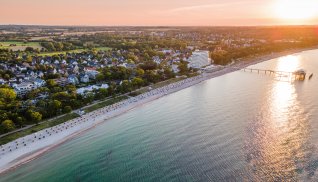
159, 13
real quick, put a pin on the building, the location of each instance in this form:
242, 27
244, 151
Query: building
175, 68
38, 82
23, 88
61, 81
199, 59
2, 81
84, 78
92, 73
91, 88
72, 79
157, 59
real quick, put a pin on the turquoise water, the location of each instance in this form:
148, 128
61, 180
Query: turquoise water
240, 126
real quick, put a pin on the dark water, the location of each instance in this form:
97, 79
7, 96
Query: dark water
236, 127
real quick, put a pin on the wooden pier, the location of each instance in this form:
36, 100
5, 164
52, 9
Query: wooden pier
297, 75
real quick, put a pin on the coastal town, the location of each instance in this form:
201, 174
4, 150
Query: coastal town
66, 69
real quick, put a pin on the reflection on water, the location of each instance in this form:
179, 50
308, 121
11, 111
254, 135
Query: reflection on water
277, 138
288, 63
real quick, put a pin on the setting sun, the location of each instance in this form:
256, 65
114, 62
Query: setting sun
296, 9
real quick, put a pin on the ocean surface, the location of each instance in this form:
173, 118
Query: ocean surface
240, 126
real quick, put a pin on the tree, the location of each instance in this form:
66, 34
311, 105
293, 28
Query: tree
6, 76
101, 93
35, 117
71, 88
100, 77
55, 106
7, 125
29, 49
183, 67
7, 94
51, 83
169, 73
28, 59
67, 109
126, 86
137, 82
140, 72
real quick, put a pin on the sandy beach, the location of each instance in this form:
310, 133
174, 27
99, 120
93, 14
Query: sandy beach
27, 148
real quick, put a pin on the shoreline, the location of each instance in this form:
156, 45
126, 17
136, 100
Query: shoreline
28, 148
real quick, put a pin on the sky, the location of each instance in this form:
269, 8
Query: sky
159, 12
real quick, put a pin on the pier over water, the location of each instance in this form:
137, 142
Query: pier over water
296, 75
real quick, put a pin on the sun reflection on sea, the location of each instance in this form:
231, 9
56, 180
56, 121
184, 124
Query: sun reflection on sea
274, 147
288, 63
283, 99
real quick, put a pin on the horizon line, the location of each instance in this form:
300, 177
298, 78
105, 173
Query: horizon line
264, 25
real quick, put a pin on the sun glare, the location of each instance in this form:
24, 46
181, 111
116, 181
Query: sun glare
296, 9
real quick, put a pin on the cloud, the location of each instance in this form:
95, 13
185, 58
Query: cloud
205, 6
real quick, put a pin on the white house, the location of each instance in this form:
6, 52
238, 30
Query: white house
199, 59
90, 88
157, 59
106, 86
175, 68
84, 90
23, 88
2, 81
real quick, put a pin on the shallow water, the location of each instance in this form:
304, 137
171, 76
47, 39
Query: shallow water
240, 126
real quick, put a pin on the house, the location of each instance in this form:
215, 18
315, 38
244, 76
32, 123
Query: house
40, 74
76, 69
167, 51
84, 78
105, 86
72, 79
157, 60
20, 68
61, 81
13, 80
175, 68
75, 63
84, 90
2, 81
31, 73
38, 82
131, 66
91, 72
52, 71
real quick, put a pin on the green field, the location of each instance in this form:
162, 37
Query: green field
72, 51
19, 45
36, 128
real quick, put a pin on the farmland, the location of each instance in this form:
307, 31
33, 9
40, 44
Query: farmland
72, 51
17, 45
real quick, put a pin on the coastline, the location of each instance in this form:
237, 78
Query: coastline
26, 149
